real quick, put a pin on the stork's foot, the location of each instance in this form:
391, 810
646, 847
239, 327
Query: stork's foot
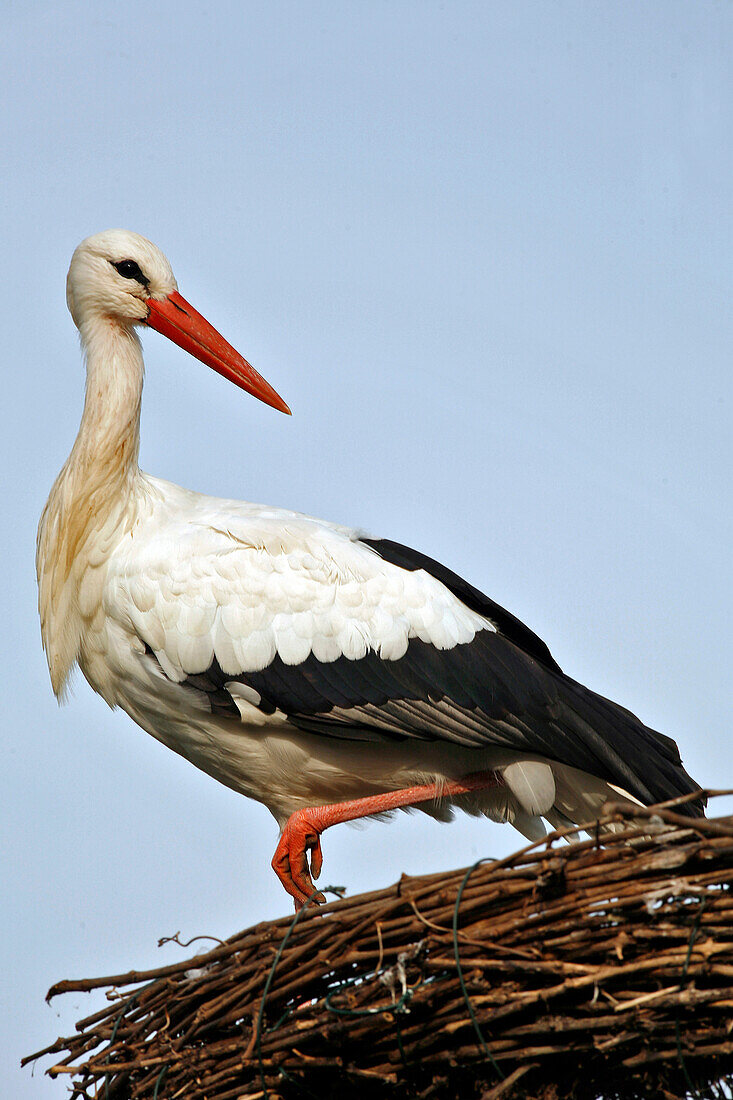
290, 862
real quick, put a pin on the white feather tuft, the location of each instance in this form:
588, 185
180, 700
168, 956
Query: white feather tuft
532, 784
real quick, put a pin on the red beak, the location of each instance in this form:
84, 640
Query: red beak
180, 322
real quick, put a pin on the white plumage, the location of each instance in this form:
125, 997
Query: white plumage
205, 579
297, 661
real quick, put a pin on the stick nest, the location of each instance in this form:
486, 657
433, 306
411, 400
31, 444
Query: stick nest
579, 970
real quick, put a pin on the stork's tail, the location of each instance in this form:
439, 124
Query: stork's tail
633, 758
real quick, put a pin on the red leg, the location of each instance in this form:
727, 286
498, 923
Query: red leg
303, 828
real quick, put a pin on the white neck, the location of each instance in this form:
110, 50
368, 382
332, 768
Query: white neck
93, 495
108, 442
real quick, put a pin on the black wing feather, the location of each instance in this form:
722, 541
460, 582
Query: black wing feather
504, 698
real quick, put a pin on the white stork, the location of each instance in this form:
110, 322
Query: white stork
326, 674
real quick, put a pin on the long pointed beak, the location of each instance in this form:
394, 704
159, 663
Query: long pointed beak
181, 323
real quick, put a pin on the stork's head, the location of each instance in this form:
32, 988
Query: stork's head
122, 277
113, 274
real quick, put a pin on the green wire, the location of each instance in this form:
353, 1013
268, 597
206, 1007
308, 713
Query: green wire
461, 979
161, 1075
339, 892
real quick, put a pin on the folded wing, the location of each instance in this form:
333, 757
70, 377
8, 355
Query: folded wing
367, 640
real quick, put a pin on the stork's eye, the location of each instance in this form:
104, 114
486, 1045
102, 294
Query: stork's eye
128, 269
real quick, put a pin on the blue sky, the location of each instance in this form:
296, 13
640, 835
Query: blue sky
483, 251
